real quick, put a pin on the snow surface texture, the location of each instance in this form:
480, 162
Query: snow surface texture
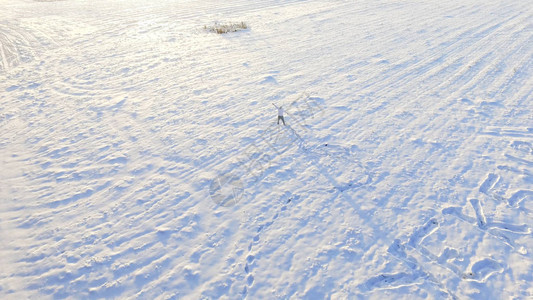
140, 156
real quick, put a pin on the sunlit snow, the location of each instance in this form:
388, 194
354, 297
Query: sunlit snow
140, 156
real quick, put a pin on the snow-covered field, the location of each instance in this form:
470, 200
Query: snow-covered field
140, 156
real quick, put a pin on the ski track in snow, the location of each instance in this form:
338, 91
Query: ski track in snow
406, 170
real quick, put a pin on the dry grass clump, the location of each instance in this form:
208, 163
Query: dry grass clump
220, 28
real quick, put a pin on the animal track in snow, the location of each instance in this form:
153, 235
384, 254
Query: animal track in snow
519, 196
524, 147
492, 180
428, 228
508, 132
435, 268
250, 258
420, 265
493, 228
483, 269
481, 219
489, 183
390, 281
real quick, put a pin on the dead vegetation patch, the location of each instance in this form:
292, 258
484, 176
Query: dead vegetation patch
221, 28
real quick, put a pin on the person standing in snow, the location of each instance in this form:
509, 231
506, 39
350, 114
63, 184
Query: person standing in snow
280, 114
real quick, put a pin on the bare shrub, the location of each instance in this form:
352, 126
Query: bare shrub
221, 28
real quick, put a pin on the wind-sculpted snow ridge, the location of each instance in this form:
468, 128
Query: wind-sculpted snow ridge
140, 155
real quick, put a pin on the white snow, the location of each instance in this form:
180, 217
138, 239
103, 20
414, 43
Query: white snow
140, 156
